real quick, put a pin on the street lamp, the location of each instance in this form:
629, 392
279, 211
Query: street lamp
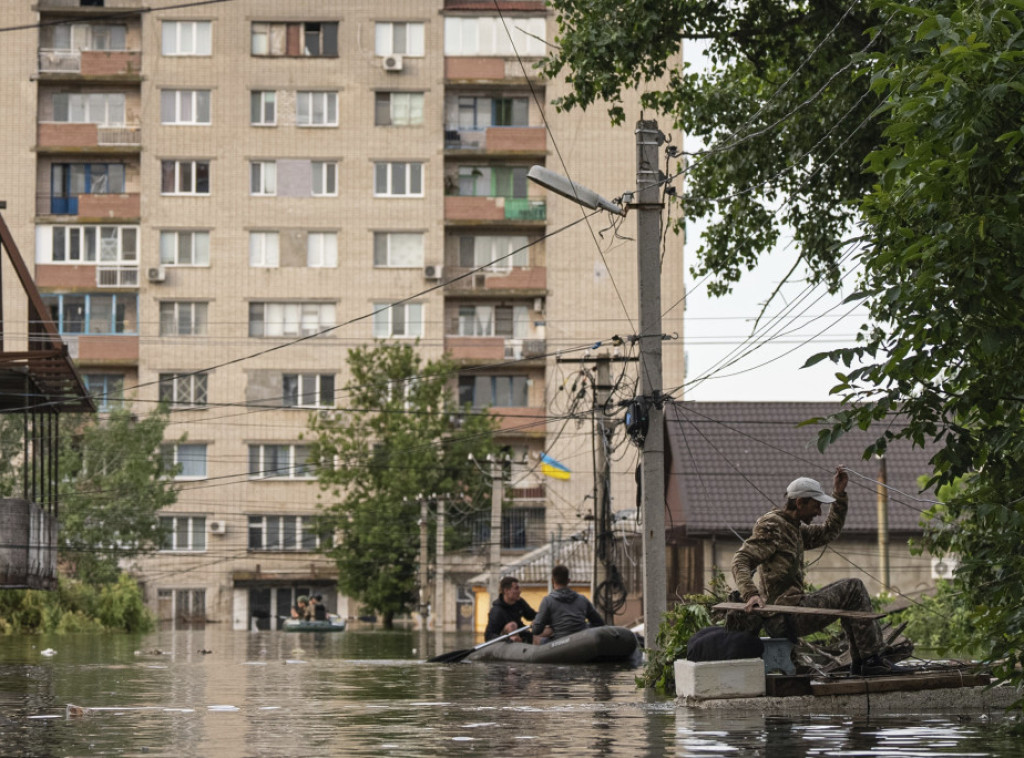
648, 207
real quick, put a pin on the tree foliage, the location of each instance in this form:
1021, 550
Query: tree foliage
76, 607
907, 120
401, 438
113, 483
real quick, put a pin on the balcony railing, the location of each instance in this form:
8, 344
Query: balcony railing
60, 61
525, 209
119, 135
117, 276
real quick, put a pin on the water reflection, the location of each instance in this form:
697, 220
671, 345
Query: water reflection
368, 693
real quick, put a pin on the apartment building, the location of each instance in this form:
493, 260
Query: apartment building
201, 186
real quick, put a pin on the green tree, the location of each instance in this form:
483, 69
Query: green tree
113, 482
905, 119
401, 437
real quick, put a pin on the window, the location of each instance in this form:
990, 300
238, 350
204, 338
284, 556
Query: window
279, 462
289, 319
90, 244
308, 390
497, 252
264, 250
187, 38
185, 106
399, 39
263, 108
183, 532
88, 37
94, 314
322, 250
184, 605
262, 178
316, 108
471, 112
493, 35
185, 177
106, 390
398, 179
184, 248
494, 321
493, 181
502, 391
399, 320
397, 250
325, 179
184, 390
189, 460
283, 533
522, 528
181, 318
398, 109
72, 179
317, 39
101, 108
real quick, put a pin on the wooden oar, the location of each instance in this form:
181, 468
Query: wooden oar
457, 655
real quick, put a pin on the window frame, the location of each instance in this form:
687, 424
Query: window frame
176, 235
96, 237
470, 383
199, 324
106, 390
388, 259
384, 38
262, 254
197, 39
263, 178
304, 538
83, 104
186, 390
384, 320
322, 391
195, 525
327, 171
258, 99
258, 328
180, 95
330, 260
390, 96
294, 471
172, 455
329, 109
91, 310
177, 177
385, 174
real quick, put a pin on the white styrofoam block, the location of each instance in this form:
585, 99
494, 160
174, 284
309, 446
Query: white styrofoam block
720, 679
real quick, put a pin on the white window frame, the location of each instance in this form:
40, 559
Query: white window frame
263, 178
172, 453
263, 99
194, 173
387, 175
306, 539
195, 312
290, 319
174, 42
195, 528
259, 457
322, 250
307, 385
187, 390
100, 108
183, 100
386, 35
305, 108
385, 246
106, 390
325, 173
481, 36
397, 320
404, 108
173, 241
108, 243
498, 252
264, 250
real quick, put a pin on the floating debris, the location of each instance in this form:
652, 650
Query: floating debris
49, 652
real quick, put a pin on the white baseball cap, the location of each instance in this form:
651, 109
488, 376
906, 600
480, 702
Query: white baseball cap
806, 487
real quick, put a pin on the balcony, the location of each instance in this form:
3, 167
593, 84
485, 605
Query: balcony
492, 69
523, 209
117, 276
117, 64
64, 137
100, 206
492, 349
522, 282
506, 140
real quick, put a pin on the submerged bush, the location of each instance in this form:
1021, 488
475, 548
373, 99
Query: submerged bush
76, 607
677, 626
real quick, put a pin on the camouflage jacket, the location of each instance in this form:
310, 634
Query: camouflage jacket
777, 545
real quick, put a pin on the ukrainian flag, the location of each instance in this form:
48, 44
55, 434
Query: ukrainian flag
550, 467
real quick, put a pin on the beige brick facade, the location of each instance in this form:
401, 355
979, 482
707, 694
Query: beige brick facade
226, 152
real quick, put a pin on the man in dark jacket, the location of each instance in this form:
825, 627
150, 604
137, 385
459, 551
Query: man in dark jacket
508, 611
564, 611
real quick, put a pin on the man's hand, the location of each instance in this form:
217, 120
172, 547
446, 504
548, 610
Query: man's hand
511, 626
839, 481
754, 601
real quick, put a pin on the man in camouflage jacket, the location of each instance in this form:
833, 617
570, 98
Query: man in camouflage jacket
777, 546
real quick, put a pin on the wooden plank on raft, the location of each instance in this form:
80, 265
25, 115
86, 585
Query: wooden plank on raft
799, 609
899, 683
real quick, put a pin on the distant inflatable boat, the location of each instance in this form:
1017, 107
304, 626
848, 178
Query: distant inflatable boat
330, 625
600, 644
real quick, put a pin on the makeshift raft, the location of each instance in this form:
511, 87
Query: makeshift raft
600, 644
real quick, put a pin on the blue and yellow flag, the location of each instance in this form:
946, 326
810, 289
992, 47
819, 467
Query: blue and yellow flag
550, 467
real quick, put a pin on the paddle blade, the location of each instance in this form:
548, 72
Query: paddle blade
453, 657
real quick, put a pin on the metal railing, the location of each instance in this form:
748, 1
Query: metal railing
117, 276
118, 135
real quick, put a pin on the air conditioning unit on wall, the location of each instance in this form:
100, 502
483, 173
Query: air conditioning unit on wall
392, 63
156, 273
942, 568
217, 527
433, 272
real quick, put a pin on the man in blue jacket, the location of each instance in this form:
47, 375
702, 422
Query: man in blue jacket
564, 611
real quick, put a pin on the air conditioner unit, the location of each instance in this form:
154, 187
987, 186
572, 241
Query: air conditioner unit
156, 273
324, 415
217, 527
943, 568
433, 272
392, 63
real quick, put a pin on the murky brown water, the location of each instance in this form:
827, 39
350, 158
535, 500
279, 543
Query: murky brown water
368, 693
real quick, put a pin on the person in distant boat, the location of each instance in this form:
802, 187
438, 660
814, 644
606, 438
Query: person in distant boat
300, 610
508, 611
563, 611
318, 610
777, 546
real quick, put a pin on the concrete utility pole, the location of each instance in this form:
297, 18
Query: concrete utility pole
440, 601
497, 491
424, 557
648, 206
883, 524
602, 497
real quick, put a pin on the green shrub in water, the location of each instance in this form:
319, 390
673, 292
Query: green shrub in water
677, 626
76, 607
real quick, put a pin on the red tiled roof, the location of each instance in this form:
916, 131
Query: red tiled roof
731, 462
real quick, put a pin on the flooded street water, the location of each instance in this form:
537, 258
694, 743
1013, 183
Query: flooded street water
369, 693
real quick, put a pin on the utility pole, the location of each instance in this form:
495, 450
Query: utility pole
424, 513
440, 602
648, 248
883, 524
497, 491
602, 483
